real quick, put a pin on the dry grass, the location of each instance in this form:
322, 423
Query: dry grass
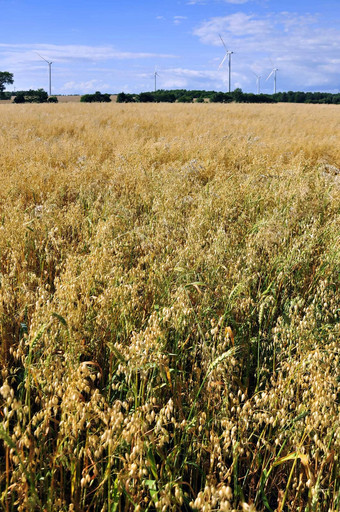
69, 99
169, 307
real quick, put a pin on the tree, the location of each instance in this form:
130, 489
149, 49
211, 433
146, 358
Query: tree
31, 96
86, 98
146, 97
37, 96
97, 96
19, 97
164, 96
299, 97
221, 97
125, 98
5, 78
237, 95
186, 98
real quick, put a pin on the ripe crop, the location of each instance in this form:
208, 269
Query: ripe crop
169, 307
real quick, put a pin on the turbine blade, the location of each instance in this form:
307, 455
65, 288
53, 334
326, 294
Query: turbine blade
42, 57
223, 43
270, 74
222, 61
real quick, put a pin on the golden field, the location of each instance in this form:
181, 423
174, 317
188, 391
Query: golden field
169, 307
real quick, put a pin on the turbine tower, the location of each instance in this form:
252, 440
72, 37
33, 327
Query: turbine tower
258, 82
227, 54
49, 73
156, 75
273, 72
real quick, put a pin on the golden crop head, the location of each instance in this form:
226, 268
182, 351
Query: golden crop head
169, 307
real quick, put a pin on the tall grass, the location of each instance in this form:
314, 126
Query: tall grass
169, 308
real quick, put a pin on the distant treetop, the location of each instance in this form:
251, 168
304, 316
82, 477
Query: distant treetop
96, 97
5, 78
31, 96
238, 96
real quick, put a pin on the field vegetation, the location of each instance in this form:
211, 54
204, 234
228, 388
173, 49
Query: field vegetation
169, 307
238, 96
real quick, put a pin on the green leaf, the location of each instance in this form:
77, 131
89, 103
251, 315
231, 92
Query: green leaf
152, 461
60, 318
152, 486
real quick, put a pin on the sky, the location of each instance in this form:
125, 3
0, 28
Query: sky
116, 45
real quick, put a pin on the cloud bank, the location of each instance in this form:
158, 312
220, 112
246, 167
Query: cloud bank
305, 51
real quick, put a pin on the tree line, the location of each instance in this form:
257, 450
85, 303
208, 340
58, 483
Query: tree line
171, 96
238, 96
34, 96
31, 96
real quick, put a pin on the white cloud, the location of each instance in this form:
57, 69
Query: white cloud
303, 48
179, 19
193, 73
20, 53
76, 68
88, 86
174, 83
234, 25
305, 51
196, 79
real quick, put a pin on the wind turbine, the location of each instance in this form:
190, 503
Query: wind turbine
156, 75
273, 72
258, 82
49, 72
227, 54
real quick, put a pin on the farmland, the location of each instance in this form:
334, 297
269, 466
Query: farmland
169, 307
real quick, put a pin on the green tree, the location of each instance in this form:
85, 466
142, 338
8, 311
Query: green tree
299, 97
122, 97
146, 97
186, 98
31, 96
97, 96
19, 98
237, 95
221, 97
164, 96
102, 98
5, 79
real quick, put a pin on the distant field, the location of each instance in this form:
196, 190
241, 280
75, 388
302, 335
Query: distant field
68, 99
169, 307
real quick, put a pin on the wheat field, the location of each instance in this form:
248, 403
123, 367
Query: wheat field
169, 307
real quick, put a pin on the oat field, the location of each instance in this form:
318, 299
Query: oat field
169, 308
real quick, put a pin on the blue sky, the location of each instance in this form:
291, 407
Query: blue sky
114, 46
